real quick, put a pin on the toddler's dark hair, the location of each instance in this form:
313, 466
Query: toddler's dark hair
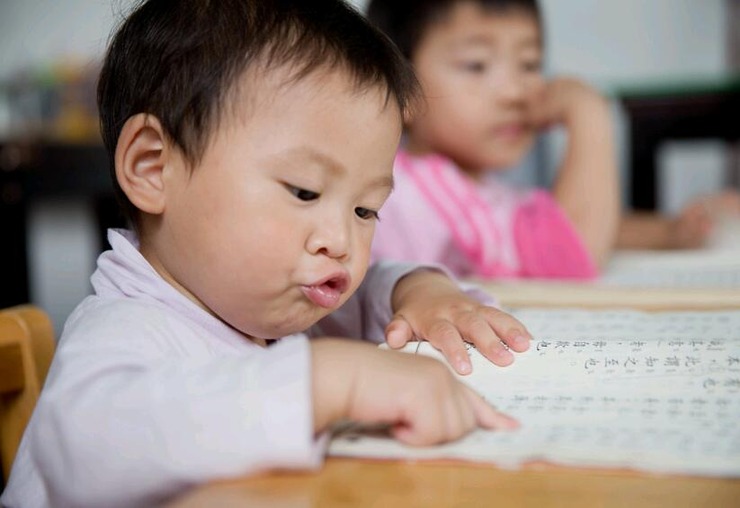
179, 60
406, 21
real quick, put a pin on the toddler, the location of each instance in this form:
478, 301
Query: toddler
480, 66
232, 128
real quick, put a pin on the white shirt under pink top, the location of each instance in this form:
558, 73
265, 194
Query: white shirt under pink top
437, 214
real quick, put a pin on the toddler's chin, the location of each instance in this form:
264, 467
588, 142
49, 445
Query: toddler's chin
277, 328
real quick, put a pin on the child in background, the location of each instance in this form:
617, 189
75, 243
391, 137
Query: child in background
480, 66
231, 128
479, 63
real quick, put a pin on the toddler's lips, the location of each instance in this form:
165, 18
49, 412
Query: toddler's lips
327, 292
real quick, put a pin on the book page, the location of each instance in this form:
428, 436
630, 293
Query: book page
681, 269
715, 266
653, 392
536, 293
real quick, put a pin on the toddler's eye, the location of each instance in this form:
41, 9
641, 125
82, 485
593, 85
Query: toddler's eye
366, 213
302, 194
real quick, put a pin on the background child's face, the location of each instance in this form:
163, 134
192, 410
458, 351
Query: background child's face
272, 230
478, 71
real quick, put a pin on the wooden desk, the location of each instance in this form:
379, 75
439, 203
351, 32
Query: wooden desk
664, 111
358, 483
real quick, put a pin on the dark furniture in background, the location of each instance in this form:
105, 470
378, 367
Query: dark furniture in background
31, 171
676, 111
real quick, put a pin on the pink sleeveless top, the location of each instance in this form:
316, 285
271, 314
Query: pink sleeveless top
437, 214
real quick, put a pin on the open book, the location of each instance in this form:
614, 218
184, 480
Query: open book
618, 389
701, 278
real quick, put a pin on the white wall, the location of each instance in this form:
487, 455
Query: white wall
613, 42
33, 31
608, 42
40, 31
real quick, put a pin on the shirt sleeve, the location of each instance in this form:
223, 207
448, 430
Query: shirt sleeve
547, 243
127, 426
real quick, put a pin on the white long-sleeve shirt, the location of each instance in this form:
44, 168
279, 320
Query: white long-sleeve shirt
149, 394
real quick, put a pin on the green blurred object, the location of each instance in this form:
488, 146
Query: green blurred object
679, 86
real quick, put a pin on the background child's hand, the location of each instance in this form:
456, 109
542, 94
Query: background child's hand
560, 99
692, 227
722, 204
430, 306
417, 396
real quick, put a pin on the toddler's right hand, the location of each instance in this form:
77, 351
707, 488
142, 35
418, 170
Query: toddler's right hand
417, 395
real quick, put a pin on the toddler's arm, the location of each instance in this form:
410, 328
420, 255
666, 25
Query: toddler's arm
416, 395
587, 182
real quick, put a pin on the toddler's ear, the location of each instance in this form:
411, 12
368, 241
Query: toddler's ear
142, 154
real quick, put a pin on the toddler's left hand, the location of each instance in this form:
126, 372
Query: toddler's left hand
430, 306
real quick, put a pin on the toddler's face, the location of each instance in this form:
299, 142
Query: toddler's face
478, 71
272, 231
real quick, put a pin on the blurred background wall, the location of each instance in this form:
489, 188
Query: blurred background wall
611, 43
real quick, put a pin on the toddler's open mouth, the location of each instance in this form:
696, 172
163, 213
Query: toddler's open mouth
327, 292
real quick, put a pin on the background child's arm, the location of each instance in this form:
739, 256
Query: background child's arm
653, 231
587, 182
689, 229
416, 395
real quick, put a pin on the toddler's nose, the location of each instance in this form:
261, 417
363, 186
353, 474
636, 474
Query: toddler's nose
330, 238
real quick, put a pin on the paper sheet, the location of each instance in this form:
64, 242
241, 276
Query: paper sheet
716, 266
681, 270
655, 392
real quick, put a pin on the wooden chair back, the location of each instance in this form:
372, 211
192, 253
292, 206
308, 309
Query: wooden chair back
26, 349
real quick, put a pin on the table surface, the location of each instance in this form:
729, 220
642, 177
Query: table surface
360, 483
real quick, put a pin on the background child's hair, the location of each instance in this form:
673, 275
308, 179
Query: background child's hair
179, 60
406, 21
